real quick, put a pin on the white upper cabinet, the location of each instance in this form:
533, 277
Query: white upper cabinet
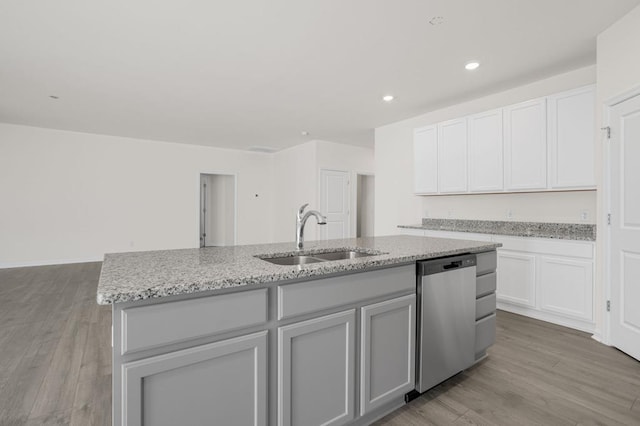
452, 156
425, 160
571, 122
485, 152
525, 139
545, 144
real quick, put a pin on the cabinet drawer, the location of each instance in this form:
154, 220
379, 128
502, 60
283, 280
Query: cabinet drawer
485, 333
485, 306
318, 295
485, 284
458, 235
486, 262
151, 326
583, 249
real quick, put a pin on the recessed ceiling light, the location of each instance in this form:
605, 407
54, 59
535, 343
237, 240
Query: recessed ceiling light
472, 65
387, 98
54, 97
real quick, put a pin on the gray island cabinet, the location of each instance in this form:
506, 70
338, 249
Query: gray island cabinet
219, 336
335, 350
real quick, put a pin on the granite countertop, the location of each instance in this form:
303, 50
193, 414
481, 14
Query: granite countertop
561, 231
152, 274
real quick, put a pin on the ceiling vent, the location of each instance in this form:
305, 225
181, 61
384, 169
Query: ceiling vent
265, 149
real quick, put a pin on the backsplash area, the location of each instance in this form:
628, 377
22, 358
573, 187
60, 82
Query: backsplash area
556, 207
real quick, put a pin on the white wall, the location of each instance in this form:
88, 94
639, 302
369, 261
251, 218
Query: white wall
70, 196
294, 184
296, 177
618, 70
394, 199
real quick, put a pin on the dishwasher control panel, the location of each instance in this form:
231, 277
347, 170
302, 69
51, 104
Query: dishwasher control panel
436, 266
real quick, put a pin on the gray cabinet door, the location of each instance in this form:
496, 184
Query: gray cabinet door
316, 371
387, 365
222, 383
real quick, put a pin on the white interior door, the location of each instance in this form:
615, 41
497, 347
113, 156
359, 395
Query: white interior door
334, 203
625, 226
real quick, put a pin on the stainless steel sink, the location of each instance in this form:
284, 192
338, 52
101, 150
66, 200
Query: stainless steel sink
342, 255
293, 260
317, 257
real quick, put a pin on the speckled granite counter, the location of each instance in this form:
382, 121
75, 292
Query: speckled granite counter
562, 231
143, 275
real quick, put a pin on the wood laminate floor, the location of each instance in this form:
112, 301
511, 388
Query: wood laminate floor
55, 365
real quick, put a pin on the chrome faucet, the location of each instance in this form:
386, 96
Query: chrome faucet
301, 219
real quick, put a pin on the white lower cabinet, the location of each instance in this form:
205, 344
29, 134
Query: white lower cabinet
516, 278
548, 279
171, 388
387, 362
316, 371
566, 287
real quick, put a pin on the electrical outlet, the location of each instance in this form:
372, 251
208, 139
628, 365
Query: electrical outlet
584, 215
425, 213
449, 214
509, 214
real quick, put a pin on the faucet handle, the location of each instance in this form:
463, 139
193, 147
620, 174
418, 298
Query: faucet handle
304, 206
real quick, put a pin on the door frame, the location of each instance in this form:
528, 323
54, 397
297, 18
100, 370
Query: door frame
322, 233
354, 201
607, 105
235, 204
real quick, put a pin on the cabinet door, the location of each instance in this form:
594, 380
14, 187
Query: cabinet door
566, 287
316, 371
387, 364
571, 121
516, 278
452, 156
525, 139
425, 160
486, 171
217, 383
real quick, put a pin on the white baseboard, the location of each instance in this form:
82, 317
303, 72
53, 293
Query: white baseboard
548, 317
50, 262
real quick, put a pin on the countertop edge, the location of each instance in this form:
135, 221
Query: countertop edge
110, 296
525, 234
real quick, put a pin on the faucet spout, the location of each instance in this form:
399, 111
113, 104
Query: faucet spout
301, 220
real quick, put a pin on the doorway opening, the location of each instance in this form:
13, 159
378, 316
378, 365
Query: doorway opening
217, 210
365, 206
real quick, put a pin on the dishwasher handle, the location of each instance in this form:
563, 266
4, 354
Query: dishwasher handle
453, 265
436, 266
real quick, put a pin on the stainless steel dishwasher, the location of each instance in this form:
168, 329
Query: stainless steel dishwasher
446, 322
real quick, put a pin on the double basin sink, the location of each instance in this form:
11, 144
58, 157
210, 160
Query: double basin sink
296, 259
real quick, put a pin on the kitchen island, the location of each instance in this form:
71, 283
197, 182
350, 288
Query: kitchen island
224, 336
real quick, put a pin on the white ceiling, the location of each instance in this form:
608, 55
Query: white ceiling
258, 72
